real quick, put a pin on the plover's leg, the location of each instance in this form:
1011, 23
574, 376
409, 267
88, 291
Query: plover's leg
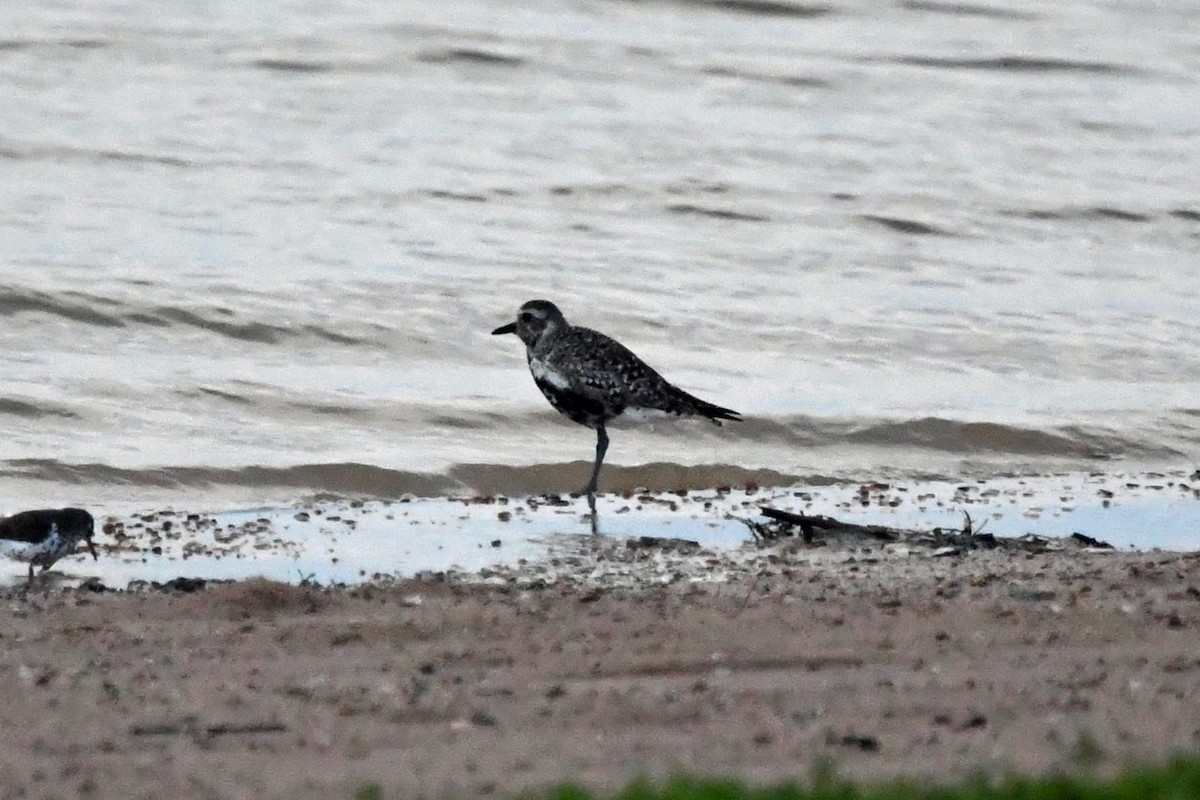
601, 448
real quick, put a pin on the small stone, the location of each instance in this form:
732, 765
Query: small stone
975, 721
867, 744
483, 719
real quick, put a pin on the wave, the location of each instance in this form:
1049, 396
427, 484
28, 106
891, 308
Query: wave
964, 437
292, 65
688, 209
902, 225
17, 301
366, 480
802, 434
765, 8
21, 408
342, 478
495, 479
252, 331
799, 81
1019, 64
106, 312
955, 437
470, 55
1086, 214
467, 197
58, 153
70, 44
769, 8
966, 10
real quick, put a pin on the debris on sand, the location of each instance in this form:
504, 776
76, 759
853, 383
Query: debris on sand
824, 530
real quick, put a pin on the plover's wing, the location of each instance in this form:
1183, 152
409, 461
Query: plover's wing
27, 526
606, 371
601, 368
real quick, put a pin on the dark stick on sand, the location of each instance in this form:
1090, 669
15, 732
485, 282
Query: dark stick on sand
810, 524
199, 730
822, 529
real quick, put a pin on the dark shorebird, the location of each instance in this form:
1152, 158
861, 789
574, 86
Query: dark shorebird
594, 379
44, 536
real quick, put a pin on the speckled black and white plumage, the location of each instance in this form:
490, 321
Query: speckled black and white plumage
43, 536
593, 379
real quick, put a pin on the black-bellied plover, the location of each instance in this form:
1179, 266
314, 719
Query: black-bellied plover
594, 379
45, 535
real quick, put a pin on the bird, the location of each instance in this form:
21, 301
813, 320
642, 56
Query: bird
45, 535
592, 379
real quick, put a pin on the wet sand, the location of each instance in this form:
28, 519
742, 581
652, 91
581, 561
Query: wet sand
331, 540
602, 663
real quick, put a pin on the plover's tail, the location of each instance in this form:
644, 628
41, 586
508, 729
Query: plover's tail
684, 403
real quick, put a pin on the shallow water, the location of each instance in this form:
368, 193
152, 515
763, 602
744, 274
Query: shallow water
252, 252
335, 542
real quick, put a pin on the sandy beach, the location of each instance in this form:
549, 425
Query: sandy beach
605, 662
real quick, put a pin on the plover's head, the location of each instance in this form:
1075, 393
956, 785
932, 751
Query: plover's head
535, 320
76, 524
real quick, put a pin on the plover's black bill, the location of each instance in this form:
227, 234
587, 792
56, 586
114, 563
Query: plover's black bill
509, 328
91, 546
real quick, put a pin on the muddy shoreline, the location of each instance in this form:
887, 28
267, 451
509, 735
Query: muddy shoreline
605, 662
337, 540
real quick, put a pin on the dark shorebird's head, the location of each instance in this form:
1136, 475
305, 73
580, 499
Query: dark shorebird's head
76, 524
535, 319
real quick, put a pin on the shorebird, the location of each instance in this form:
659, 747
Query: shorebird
45, 535
593, 379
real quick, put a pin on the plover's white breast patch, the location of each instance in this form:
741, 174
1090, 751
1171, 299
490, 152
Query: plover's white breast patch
544, 372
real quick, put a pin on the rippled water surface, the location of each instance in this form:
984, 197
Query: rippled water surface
253, 251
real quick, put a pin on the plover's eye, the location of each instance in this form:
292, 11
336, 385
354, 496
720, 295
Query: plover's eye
526, 316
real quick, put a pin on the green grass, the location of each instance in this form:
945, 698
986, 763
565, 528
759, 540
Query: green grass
1177, 780
369, 791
